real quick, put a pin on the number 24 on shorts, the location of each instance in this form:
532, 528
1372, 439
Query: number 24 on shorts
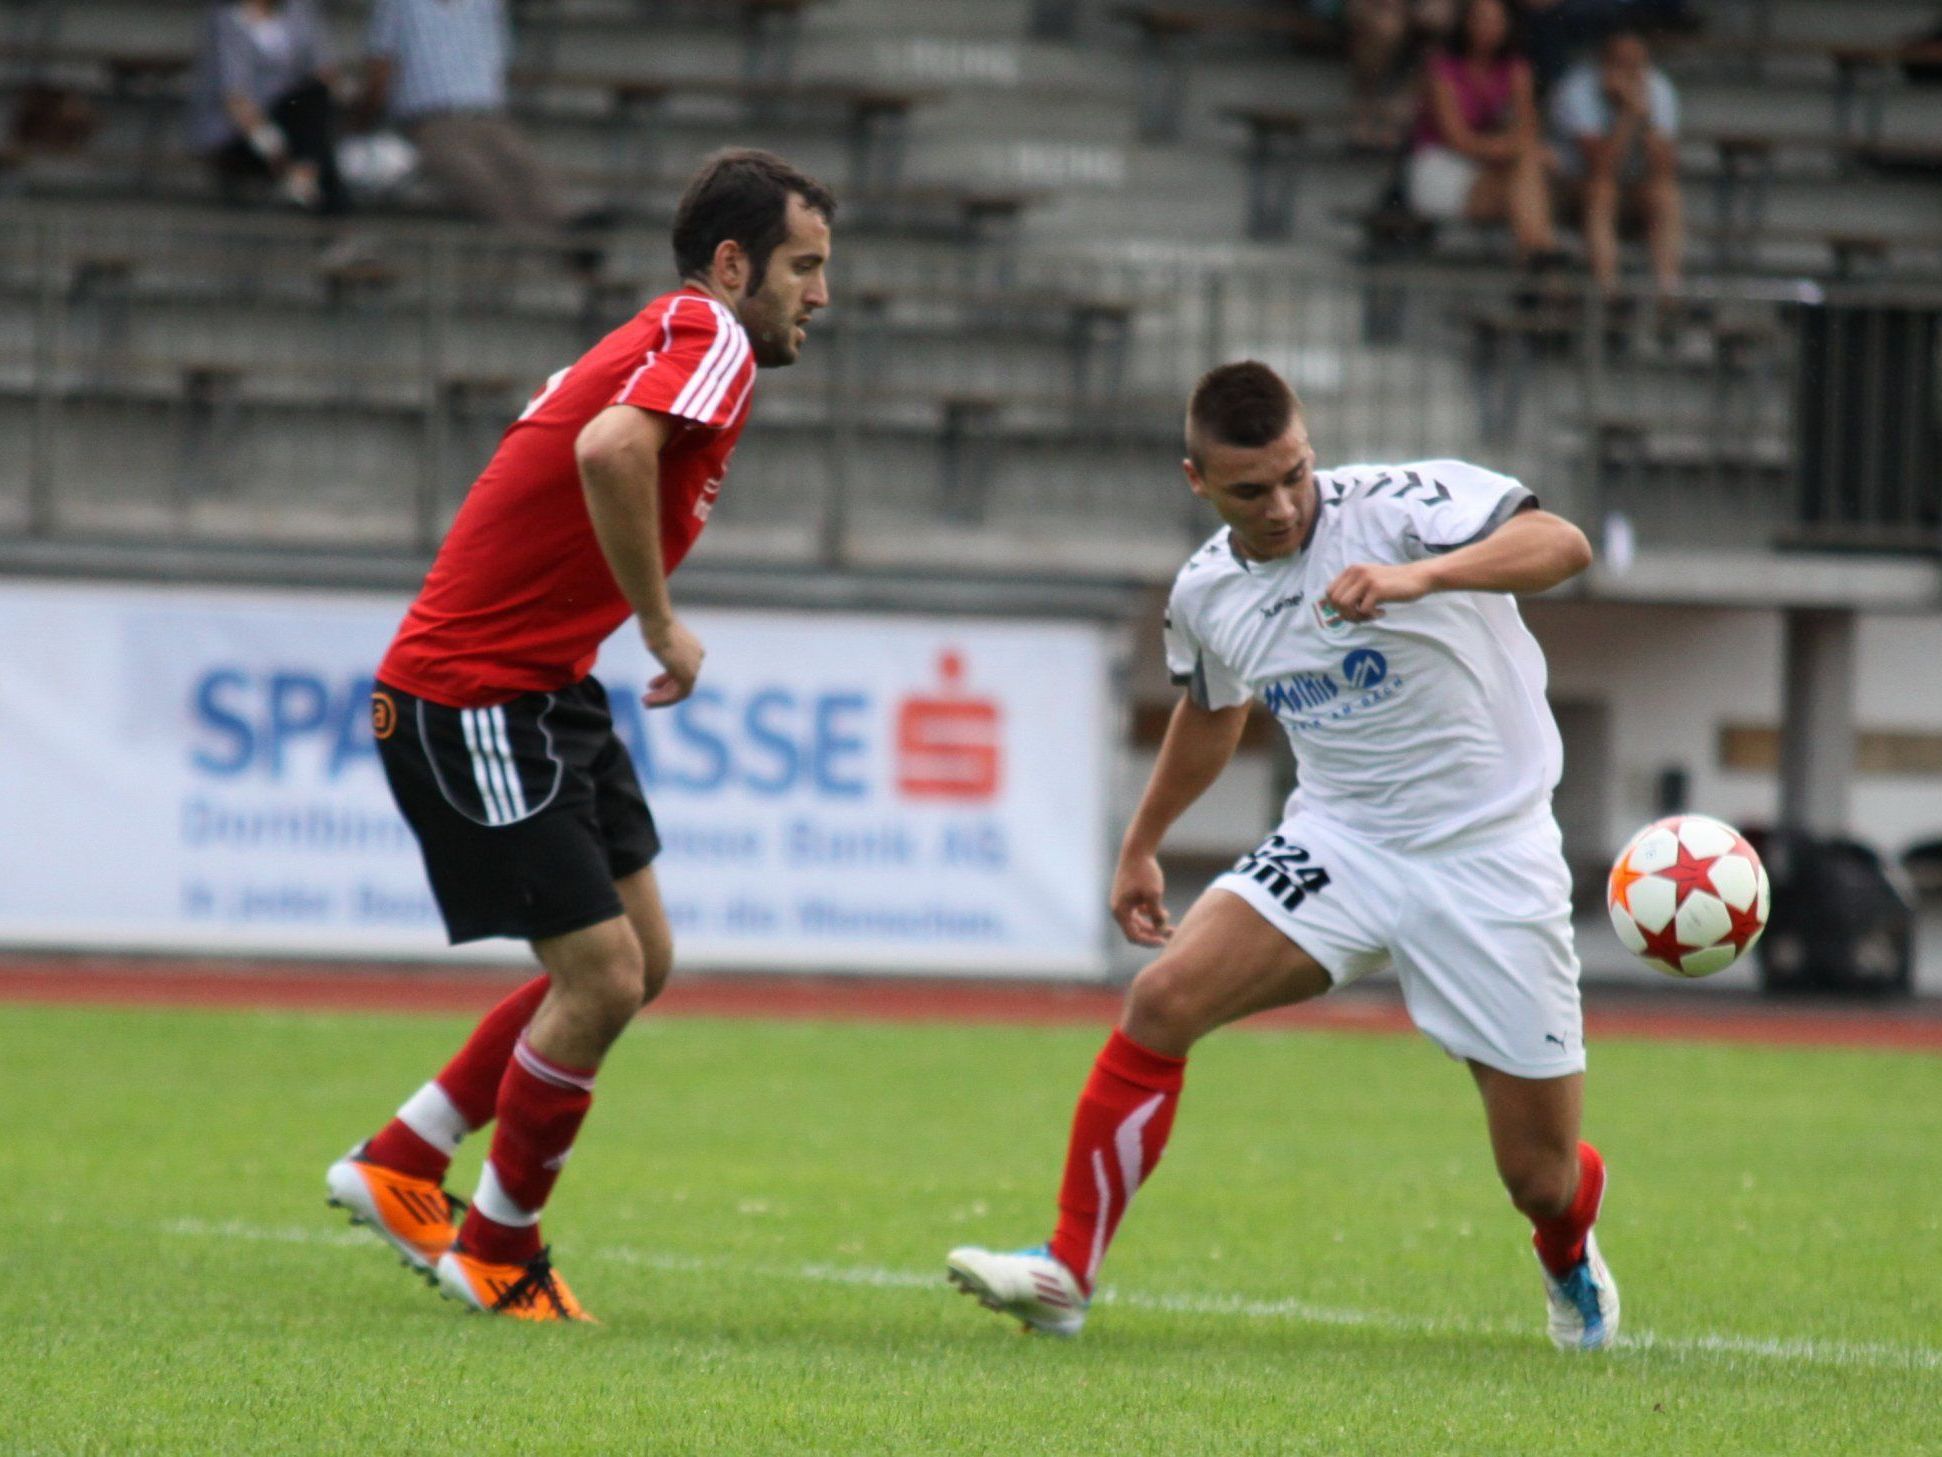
1284, 869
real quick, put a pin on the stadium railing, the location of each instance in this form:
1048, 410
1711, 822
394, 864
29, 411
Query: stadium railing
201, 383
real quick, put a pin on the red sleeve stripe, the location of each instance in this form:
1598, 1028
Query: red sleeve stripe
703, 395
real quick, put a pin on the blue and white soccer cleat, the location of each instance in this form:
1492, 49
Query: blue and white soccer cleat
1027, 1284
1584, 1302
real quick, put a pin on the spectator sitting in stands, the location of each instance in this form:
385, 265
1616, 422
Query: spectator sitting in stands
260, 105
1615, 120
441, 65
1478, 152
1385, 40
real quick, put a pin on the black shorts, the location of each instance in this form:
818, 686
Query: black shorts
527, 812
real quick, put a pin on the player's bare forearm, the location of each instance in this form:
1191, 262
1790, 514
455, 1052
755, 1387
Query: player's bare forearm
620, 472
1531, 552
1198, 744
619, 455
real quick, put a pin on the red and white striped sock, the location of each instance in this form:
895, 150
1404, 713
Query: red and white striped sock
423, 1137
1118, 1134
1560, 1240
541, 1106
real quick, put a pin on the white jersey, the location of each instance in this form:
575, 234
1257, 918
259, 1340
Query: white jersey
1425, 727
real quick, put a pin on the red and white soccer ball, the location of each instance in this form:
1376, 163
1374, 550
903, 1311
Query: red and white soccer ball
1688, 896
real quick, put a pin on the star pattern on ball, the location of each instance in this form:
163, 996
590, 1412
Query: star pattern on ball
1746, 923
1714, 874
1665, 944
1689, 873
1624, 877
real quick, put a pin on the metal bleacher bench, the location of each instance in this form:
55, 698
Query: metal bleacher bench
771, 29
875, 118
1280, 139
1095, 328
1169, 36
1863, 72
1849, 252
1748, 163
984, 221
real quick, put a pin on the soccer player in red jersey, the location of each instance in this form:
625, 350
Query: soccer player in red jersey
501, 751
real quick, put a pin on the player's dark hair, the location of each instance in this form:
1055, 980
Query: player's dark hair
1245, 404
742, 195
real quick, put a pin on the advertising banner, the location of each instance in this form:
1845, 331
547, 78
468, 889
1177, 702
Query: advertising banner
194, 769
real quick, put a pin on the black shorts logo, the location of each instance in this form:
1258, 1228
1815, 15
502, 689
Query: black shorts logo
1284, 869
384, 715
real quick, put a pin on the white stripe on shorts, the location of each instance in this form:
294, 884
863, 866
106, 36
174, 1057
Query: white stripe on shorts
482, 767
510, 765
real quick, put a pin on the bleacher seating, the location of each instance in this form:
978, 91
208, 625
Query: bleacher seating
1048, 228
1172, 37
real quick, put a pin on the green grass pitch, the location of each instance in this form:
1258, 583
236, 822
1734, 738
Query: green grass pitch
759, 1212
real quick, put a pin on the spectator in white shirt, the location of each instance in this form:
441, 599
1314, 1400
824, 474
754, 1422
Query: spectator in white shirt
1616, 121
441, 67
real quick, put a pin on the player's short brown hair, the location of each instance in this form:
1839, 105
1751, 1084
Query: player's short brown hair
742, 194
1245, 404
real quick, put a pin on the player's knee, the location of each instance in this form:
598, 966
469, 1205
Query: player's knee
1541, 1188
1164, 1005
616, 989
656, 964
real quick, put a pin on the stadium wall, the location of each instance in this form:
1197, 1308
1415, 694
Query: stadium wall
1699, 690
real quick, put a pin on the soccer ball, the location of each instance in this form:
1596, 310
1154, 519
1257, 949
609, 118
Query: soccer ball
1688, 895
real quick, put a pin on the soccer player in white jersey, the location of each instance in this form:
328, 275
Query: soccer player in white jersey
1370, 609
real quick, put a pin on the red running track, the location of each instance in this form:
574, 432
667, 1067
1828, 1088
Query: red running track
1674, 1013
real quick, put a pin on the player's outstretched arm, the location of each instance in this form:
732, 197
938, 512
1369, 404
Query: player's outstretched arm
1198, 743
619, 454
1531, 552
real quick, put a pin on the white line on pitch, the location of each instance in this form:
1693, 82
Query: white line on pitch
1299, 1312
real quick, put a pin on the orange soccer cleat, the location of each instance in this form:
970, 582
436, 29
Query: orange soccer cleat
532, 1291
415, 1216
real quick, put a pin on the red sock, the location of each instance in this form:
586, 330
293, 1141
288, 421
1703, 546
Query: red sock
1560, 1240
541, 1106
470, 1082
1118, 1133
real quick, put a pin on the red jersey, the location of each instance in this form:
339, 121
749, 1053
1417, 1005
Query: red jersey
520, 596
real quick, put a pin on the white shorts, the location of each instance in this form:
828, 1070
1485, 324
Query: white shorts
1480, 936
1439, 183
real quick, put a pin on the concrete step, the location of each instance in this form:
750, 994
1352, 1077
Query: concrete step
964, 19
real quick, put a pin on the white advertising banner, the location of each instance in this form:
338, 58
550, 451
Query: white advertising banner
193, 769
